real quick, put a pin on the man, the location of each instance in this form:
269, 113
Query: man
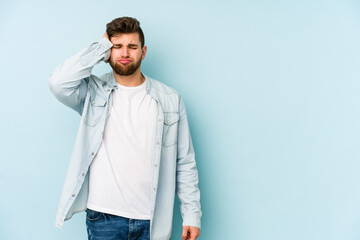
133, 149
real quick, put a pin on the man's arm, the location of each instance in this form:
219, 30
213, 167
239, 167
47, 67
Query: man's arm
187, 179
69, 80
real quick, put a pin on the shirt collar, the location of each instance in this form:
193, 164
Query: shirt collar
149, 85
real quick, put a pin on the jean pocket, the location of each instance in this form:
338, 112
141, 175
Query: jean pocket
92, 215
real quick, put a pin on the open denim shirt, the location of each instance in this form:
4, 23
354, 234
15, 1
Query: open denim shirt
174, 166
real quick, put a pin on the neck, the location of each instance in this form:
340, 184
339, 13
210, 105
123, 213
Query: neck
132, 80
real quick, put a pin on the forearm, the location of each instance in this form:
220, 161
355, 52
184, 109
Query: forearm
187, 175
69, 80
188, 191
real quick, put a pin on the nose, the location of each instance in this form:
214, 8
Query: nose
124, 52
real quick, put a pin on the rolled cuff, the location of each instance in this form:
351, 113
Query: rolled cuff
106, 45
192, 220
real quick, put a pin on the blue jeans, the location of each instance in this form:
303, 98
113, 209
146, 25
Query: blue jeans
103, 226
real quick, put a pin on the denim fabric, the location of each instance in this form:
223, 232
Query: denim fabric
103, 226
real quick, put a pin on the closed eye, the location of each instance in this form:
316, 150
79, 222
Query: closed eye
133, 46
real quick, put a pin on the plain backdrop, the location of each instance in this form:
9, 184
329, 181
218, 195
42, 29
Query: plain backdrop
272, 94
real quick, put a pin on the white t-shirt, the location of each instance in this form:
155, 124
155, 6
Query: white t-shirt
120, 174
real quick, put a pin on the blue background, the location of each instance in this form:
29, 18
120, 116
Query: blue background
272, 93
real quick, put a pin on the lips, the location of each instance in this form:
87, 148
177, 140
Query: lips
124, 61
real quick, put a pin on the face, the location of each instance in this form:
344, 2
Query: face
126, 53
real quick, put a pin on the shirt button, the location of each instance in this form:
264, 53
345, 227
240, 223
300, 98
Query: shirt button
154, 189
73, 195
108, 90
93, 102
168, 121
83, 174
92, 153
155, 165
158, 143
160, 119
96, 53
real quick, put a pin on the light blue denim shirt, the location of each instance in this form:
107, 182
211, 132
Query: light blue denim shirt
174, 166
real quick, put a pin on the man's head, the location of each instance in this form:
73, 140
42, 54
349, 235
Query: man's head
125, 25
128, 45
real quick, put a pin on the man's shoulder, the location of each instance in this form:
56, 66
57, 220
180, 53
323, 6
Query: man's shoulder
162, 87
105, 77
101, 81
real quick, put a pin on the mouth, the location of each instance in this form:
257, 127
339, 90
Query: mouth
124, 61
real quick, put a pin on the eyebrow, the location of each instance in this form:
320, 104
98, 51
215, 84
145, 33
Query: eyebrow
130, 45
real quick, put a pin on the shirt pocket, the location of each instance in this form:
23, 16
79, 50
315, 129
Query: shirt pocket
95, 108
170, 131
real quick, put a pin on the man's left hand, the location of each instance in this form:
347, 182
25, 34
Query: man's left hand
190, 233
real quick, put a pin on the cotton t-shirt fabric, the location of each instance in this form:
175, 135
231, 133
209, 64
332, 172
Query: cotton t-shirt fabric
121, 172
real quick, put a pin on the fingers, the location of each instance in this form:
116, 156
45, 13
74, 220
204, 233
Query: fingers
185, 233
193, 235
190, 233
106, 35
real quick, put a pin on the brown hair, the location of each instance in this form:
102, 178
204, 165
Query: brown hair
125, 25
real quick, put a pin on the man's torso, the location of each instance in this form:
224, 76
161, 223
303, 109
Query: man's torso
121, 172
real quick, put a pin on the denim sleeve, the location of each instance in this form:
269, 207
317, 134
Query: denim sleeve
69, 81
186, 174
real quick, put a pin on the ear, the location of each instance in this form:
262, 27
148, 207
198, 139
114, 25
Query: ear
143, 52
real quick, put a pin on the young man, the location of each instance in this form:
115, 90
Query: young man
133, 149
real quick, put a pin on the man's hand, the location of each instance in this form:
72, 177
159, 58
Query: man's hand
190, 233
107, 36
